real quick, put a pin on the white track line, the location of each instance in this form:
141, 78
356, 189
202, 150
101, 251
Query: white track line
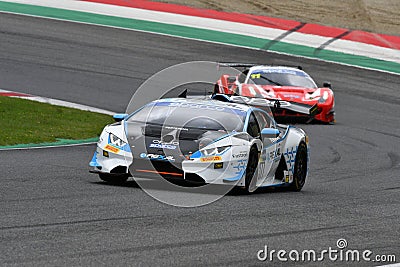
310, 40
206, 41
55, 102
58, 102
49, 146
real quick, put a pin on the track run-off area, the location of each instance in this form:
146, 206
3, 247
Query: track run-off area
55, 213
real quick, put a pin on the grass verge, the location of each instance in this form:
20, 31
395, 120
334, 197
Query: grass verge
28, 122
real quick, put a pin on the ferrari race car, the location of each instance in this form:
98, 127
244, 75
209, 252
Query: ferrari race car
281, 83
205, 141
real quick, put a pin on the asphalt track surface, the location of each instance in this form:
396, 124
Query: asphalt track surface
53, 212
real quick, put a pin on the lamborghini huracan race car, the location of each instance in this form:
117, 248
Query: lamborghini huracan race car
203, 140
281, 83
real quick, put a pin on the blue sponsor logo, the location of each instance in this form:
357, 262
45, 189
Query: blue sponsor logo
157, 157
163, 146
282, 71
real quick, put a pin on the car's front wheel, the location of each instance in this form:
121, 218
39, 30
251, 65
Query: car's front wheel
251, 168
300, 168
113, 179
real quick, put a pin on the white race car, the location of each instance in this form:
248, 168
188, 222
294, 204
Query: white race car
203, 140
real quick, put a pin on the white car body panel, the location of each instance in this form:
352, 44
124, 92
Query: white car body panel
227, 167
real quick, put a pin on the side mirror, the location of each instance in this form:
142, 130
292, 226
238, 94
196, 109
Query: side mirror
327, 84
269, 133
221, 97
119, 116
231, 79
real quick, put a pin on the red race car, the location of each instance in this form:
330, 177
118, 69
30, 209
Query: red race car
281, 83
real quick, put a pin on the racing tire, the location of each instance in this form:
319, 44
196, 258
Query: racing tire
216, 89
300, 168
113, 179
251, 167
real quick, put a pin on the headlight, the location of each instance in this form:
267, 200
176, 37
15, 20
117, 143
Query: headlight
324, 97
114, 140
214, 150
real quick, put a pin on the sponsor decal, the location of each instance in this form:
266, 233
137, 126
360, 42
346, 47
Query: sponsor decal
116, 141
157, 157
218, 165
211, 159
275, 154
163, 146
160, 144
197, 106
176, 128
287, 177
282, 71
111, 148
290, 156
239, 155
240, 166
291, 96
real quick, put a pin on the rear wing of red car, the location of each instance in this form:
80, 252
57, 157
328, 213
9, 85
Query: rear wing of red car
269, 105
249, 65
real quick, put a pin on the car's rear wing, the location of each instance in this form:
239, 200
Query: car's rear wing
249, 65
272, 104
236, 64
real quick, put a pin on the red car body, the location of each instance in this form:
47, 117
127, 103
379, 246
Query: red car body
281, 83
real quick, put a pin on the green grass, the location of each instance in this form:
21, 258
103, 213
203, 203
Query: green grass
29, 122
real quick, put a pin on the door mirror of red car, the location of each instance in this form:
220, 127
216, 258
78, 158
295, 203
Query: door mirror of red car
327, 84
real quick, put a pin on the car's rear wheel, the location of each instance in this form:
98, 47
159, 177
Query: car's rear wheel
300, 168
113, 179
251, 168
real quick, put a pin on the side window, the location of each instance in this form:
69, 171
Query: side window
242, 76
252, 128
263, 120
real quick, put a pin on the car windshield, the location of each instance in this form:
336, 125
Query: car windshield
191, 115
282, 77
